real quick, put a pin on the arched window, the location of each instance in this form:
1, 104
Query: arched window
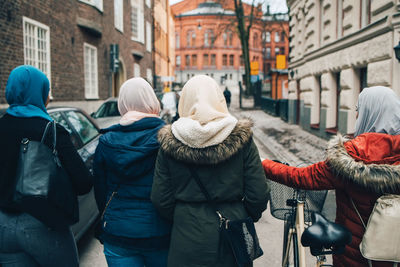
225, 38
277, 38
177, 40
268, 37
193, 39
230, 38
208, 37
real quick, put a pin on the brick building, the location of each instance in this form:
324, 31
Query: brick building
70, 42
206, 41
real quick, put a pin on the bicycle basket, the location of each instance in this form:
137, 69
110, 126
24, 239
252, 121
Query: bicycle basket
280, 193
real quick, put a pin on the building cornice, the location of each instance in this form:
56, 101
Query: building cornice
375, 29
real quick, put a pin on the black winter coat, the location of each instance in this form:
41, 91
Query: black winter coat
12, 131
232, 174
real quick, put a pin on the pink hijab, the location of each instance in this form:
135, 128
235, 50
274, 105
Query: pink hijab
136, 101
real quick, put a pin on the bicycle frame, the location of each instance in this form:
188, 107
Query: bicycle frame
295, 233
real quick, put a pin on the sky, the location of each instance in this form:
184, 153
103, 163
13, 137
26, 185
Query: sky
276, 6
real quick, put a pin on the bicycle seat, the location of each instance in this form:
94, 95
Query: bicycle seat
324, 235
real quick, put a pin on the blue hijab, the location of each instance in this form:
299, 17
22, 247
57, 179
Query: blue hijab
27, 90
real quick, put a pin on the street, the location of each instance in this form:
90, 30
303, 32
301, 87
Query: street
275, 139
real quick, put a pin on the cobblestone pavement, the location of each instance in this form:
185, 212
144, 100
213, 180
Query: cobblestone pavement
275, 139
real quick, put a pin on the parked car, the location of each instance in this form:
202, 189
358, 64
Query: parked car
107, 114
85, 137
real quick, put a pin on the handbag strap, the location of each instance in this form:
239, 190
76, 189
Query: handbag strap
109, 200
358, 213
46, 130
206, 194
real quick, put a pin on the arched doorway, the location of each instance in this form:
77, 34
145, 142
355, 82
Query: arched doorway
118, 78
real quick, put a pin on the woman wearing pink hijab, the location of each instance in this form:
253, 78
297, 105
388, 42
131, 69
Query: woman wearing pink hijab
133, 233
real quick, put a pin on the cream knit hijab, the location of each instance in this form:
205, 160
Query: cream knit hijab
204, 118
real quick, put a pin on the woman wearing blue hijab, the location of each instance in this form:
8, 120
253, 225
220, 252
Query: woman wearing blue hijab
24, 240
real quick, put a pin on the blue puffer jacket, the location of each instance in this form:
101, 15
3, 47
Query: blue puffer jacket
124, 162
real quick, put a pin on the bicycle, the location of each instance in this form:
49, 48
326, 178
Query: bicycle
298, 208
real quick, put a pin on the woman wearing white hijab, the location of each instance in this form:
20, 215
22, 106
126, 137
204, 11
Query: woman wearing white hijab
363, 168
220, 149
132, 231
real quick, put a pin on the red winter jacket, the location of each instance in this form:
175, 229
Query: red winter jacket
365, 168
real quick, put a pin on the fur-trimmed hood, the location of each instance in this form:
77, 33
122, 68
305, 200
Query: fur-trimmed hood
240, 136
355, 161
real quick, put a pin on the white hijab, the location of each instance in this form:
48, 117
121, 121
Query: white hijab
378, 111
136, 101
204, 117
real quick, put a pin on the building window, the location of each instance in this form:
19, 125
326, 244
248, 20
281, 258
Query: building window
119, 15
282, 51
187, 60
230, 38
148, 36
178, 61
276, 51
149, 75
37, 45
268, 37
177, 41
339, 18
137, 20
148, 3
363, 78
212, 63
277, 37
224, 60
365, 13
194, 60
205, 60
283, 36
96, 3
136, 70
208, 38
268, 55
231, 60
188, 38
225, 38
90, 71
193, 39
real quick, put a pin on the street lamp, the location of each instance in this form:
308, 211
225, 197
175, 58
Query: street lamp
199, 26
397, 51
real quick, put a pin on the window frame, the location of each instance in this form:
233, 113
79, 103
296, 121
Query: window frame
88, 91
119, 15
35, 61
140, 21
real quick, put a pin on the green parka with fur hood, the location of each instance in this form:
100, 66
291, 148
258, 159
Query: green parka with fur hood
232, 174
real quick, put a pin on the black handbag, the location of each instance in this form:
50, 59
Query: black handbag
43, 188
239, 234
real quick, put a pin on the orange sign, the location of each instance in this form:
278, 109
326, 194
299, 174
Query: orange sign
254, 68
281, 62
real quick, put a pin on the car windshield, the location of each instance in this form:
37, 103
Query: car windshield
108, 109
86, 130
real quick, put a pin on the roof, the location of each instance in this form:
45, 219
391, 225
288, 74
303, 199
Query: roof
208, 8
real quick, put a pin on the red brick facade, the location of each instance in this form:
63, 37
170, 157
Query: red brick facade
193, 21
71, 24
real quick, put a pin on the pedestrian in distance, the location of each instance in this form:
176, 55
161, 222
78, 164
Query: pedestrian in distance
24, 240
220, 150
361, 169
133, 233
227, 95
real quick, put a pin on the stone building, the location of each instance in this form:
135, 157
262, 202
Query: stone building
206, 41
70, 42
337, 48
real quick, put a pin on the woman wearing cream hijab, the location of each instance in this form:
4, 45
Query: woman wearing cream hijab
132, 231
221, 151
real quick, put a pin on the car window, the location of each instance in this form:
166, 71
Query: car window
57, 117
108, 109
83, 126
